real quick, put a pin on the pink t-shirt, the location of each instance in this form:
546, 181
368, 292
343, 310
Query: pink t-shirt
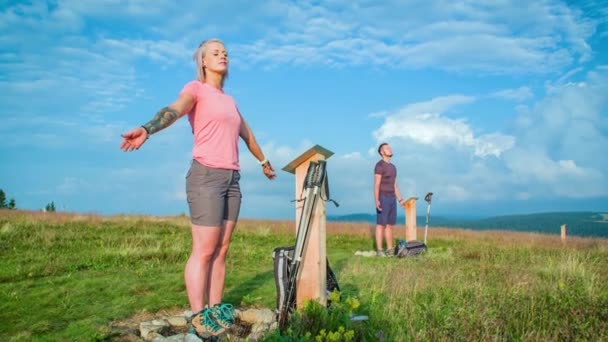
216, 124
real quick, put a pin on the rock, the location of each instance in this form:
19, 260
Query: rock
365, 253
253, 316
150, 330
266, 316
177, 321
154, 336
360, 318
191, 338
273, 326
179, 338
254, 337
248, 316
170, 326
259, 328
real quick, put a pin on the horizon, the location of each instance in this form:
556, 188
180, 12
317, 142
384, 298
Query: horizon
496, 109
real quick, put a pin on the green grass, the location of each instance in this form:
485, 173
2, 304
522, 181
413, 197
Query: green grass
67, 277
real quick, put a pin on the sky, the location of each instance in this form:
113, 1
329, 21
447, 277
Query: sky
497, 107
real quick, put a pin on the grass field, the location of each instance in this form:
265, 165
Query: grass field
65, 277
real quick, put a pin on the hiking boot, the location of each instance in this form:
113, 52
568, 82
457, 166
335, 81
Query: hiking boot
204, 326
390, 252
381, 253
223, 314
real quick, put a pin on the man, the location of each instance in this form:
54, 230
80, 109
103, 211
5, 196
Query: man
386, 193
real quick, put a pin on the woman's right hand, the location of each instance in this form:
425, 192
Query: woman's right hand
133, 139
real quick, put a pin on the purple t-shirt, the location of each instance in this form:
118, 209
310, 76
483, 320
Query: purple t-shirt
388, 172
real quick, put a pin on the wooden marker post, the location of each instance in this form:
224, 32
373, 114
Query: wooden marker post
564, 232
410, 219
312, 283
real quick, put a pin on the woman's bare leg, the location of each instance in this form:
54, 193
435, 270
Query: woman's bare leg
217, 275
204, 243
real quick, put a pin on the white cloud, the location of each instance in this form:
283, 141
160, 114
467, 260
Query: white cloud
556, 147
424, 123
493, 144
101, 71
162, 51
563, 138
490, 37
519, 94
88, 54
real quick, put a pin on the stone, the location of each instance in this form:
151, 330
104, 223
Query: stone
266, 316
254, 337
273, 326
248, 316
177, 321
253, 316
154, 336
179, 338
365, 253
259, 328
149, 330
170, 326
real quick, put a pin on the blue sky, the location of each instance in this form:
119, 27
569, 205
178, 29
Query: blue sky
497, 107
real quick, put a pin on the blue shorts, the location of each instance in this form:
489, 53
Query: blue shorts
388, 215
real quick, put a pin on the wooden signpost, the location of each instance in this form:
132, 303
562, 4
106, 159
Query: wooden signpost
312, 283
410, 219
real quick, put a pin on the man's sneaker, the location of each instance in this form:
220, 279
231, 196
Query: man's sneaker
204, 325
223, 314
390, 252
380, 253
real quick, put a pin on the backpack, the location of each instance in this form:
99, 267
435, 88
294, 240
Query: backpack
282, 260
409, 248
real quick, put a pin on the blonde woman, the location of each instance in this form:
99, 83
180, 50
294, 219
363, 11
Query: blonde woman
212, 182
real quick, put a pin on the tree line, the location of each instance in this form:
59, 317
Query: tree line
12, 204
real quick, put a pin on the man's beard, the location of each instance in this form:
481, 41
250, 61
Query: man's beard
388, 155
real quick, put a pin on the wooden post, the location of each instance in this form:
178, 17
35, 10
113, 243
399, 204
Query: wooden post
564, 232
312, 283
410, 219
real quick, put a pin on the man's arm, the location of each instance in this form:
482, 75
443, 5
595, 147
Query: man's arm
398, 193
377, 180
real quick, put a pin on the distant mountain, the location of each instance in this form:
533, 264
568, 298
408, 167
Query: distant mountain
588, 224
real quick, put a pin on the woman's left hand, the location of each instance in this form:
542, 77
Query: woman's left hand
268, 170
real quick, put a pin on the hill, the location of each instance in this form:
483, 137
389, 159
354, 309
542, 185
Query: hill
585, 224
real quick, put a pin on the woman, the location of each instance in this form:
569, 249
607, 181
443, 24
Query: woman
212, 183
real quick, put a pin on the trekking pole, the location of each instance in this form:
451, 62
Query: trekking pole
428, 198
304, 216
314, 180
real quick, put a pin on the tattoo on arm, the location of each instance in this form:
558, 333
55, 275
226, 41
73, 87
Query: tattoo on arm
163, 119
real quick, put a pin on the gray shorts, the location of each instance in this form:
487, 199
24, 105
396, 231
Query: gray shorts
214, 195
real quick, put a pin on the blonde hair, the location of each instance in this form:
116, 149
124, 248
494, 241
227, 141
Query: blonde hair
198, 59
